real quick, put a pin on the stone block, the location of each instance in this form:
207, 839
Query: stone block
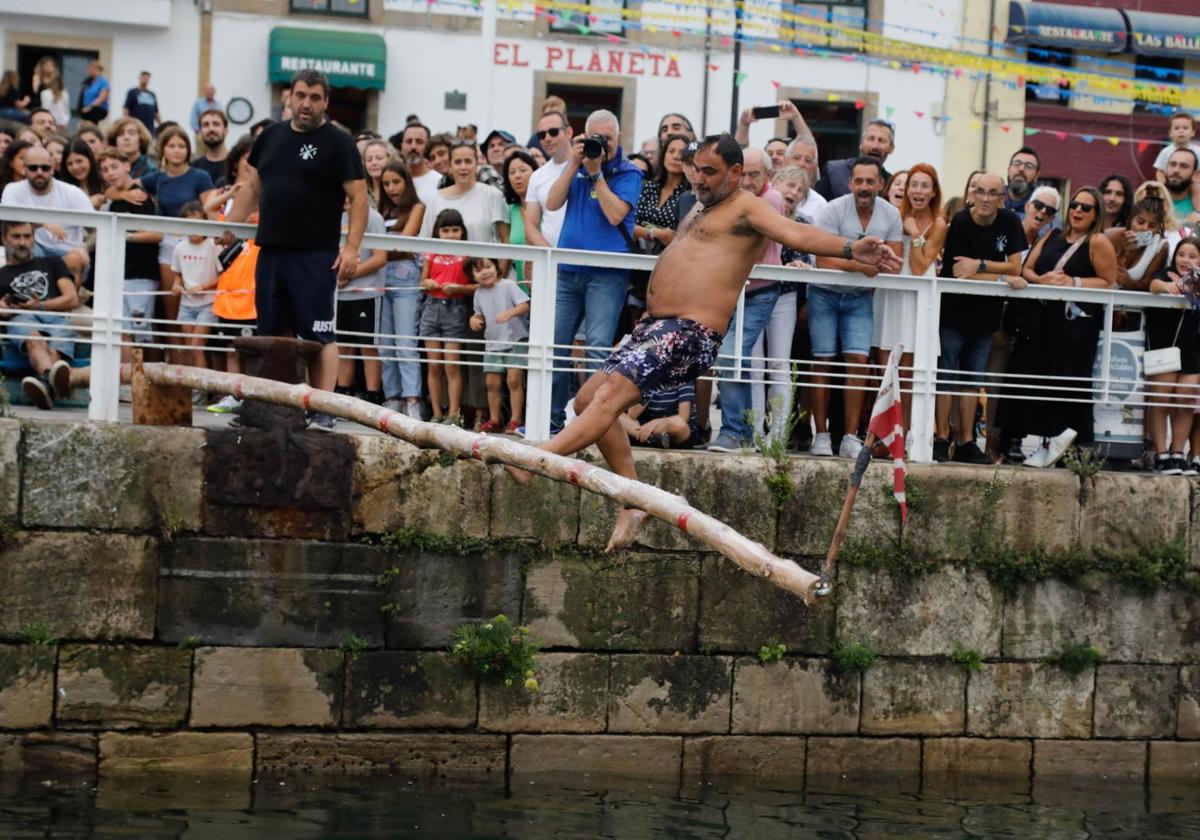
633, 756
1029, 700
1174, 761
49, 754
26, 686
961, 508
10, 470
409, 689
984, 758
1041, 619
397, 485
850, 765
267, 687
640, 602
925, 616
1189, 702
270, 592
572, 688
794, 696
291, 485
669, 694
194, 753
1115, 761
428, 595
542, 510
1153, 512
403, 754
112, 477
1136, 701
808, 519
739, 613
123, 687
714, 759
731, 488
83, 585
913, 698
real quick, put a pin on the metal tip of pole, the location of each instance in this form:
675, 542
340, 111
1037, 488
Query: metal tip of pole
824, 588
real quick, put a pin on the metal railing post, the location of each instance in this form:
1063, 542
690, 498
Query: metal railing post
737, 336
540, 386
1106, 348
924, 379
108, 285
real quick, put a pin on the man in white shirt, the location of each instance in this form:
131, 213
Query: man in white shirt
41, 189
542, 226
412, 142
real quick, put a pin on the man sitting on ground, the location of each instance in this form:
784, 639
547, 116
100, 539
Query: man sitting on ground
42, 291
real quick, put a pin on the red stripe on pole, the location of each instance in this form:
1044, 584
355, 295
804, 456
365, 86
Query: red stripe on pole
683, 520
383, 422
573, 473
475, 449
307, 397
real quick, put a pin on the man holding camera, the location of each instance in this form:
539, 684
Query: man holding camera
598, 188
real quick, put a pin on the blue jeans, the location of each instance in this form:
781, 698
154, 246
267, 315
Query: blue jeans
736, 398
840, 320
401, 310
593, 298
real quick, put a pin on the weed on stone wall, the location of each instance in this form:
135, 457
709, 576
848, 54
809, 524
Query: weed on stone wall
772, 651
1077, 658
354, 646
967, 658
853, 658
773, 447
498, 652
41, 638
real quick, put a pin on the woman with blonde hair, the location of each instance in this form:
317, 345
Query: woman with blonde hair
377, 153
48, 85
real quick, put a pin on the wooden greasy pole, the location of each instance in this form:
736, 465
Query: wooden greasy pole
749, 555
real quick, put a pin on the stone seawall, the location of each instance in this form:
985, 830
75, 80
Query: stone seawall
247, 603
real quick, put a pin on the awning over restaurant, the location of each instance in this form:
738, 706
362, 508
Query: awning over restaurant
348, 59
1154, 33
1071, 27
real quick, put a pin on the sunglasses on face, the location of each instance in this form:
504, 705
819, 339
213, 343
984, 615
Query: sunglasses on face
1042, 206
38, 167
1079, 205
549, 132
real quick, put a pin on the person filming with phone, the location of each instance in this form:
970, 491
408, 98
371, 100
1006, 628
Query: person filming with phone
599, 189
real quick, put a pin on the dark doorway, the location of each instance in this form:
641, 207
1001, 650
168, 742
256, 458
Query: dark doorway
836, 126
348, 107
72, 66
582, 100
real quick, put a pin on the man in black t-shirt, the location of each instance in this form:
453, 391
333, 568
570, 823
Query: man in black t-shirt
141, 103
301, 173
214, 126
40, 290
141, 250
983, 243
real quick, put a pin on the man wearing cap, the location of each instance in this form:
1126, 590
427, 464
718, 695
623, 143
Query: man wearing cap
493, 147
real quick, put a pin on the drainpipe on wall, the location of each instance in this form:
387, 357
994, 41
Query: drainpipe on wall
205, 68
987, 85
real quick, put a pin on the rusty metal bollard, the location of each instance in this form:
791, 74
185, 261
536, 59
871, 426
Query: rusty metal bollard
280, 359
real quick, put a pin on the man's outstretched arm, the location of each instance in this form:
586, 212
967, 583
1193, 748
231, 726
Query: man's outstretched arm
870, 250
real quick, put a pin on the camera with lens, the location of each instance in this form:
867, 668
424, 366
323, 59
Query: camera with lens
594, 146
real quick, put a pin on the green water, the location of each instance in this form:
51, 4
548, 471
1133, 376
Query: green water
384, 807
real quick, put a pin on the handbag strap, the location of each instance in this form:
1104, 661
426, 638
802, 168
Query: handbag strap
1175, 343
1070, 252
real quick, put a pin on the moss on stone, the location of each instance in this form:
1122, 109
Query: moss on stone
130, 672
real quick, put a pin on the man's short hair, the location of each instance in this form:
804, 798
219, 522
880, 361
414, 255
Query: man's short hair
1027, 150
868, 160
602, 116
808, 140
437, 140
560, 114
1189, 150
109, 153
39, 111
215, 112
766, 159
888, 124
1183, 115
725, 147
312, 78
5, 227
398, 138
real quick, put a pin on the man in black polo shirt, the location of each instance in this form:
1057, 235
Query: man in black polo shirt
984, 242
301, 173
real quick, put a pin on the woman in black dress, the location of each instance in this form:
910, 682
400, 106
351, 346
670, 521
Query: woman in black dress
1063, 335
658, 206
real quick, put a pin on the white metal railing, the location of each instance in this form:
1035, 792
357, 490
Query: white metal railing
107, 322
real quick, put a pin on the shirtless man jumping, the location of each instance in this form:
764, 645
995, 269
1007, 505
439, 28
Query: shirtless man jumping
691, 298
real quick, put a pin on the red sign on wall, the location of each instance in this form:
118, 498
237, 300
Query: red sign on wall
586, 60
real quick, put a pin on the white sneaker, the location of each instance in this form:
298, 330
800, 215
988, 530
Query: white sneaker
1058, 446
1037, 458
822, 445
850, 447
412, 409
228, 404
394, 404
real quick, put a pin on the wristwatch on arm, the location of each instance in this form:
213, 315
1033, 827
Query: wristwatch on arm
982, 267
847, 252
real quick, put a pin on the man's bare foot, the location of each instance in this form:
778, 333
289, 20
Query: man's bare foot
629, 521
519, 475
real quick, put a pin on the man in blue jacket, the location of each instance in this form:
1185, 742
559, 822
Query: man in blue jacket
878, 141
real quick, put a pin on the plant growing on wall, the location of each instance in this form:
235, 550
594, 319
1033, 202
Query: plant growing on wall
774, 449
772, 651
1077, 658
497, 651
853, 658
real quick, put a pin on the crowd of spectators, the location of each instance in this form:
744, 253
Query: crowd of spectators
442, 336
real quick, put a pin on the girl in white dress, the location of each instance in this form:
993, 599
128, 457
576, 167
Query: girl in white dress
924, 234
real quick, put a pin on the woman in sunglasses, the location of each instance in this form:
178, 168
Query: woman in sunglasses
1062, 341
1040, 212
